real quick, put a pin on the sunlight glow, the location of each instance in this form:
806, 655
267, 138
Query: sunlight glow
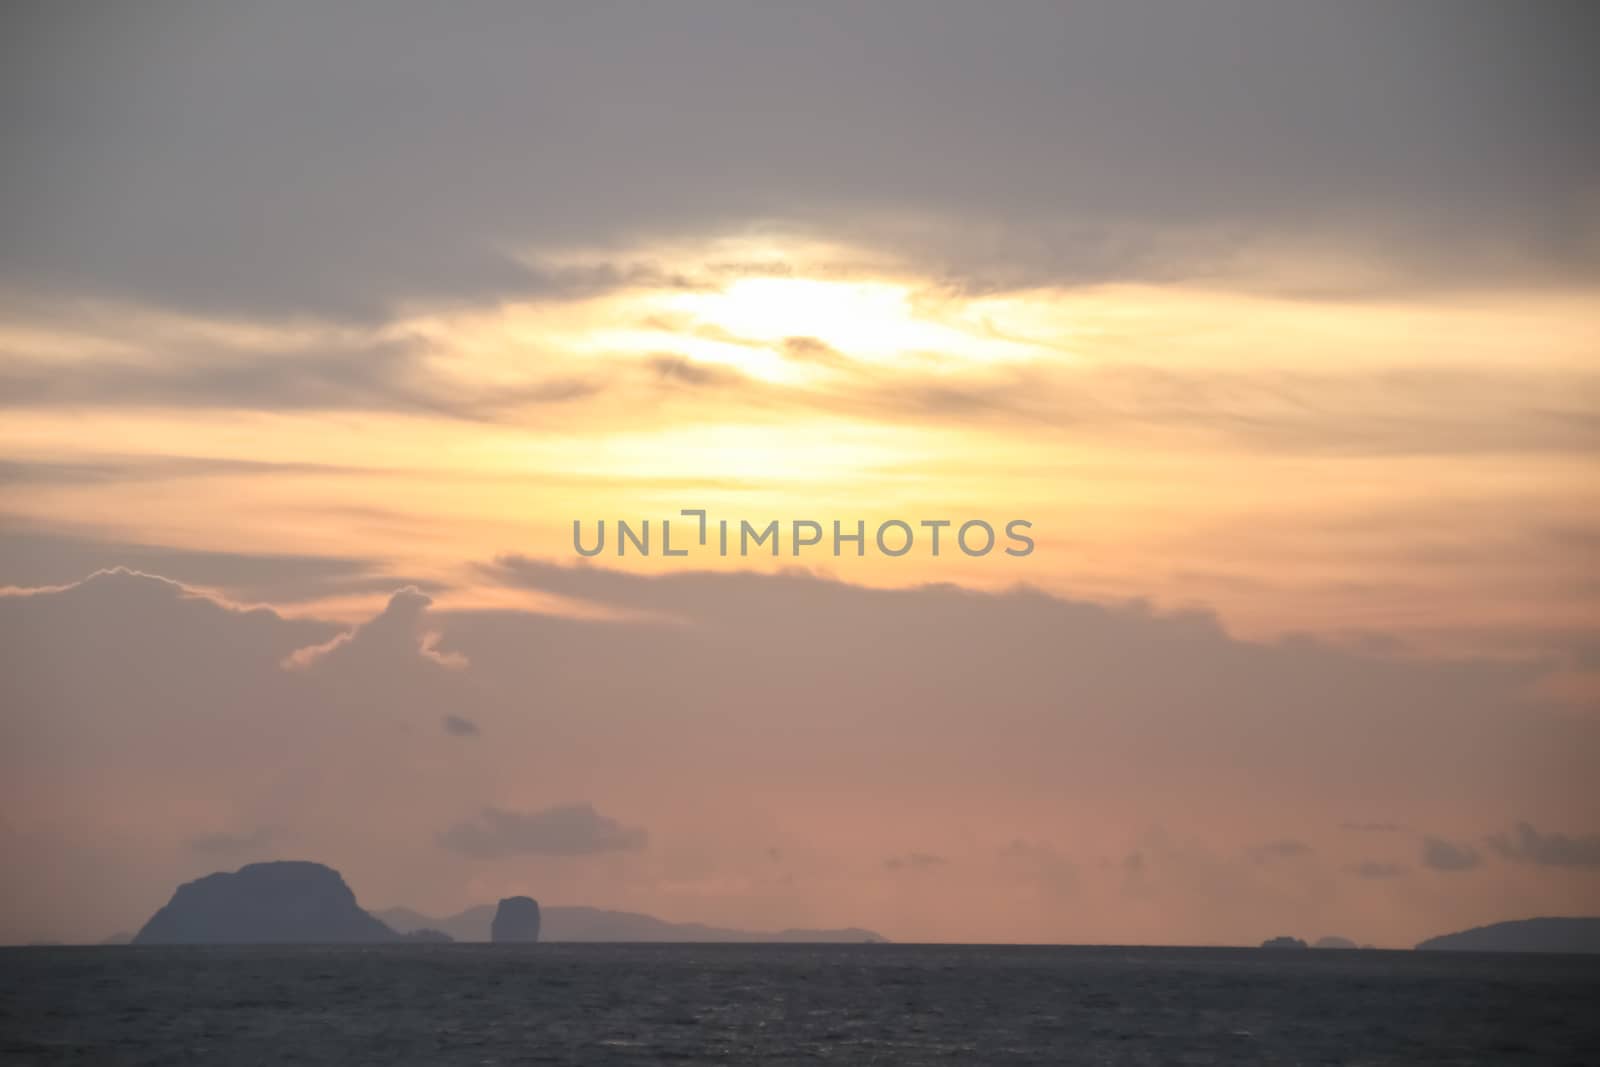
826, 323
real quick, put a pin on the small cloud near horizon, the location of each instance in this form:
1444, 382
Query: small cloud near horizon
1449, 856
225, 843
1528, 845
456, 726
565, 830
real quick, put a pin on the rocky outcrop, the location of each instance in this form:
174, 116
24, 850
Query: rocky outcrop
515, 920
1283, 942
289, 902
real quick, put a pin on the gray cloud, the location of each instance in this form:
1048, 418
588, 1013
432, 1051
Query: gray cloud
812, 350
1373, 827
368, 374
566, 830
915, 861
373, 375
1527, 845
1449, 856
456, 726
205, 159
109, 469
679, 370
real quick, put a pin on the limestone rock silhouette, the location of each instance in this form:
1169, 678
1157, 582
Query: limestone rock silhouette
515, 920
285, 902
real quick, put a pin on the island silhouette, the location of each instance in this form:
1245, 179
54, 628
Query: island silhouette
516, 919
1522, 935
287, 901
1284, 941
301, 902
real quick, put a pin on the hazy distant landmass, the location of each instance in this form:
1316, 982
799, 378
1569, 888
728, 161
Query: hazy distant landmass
285, 902
298, 902
1283, 942
1335, 942
1522, 935
596, 924
1330, 941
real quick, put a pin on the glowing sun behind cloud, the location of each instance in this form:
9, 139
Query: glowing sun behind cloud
817, 318
786, 310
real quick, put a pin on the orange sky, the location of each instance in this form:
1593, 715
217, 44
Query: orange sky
1409, 466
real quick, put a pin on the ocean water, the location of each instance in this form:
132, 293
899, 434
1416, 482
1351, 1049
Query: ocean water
783, 1004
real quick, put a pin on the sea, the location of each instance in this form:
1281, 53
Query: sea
792, 1004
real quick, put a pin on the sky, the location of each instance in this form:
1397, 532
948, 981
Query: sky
321, 326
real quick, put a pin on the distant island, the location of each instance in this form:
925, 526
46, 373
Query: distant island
1283, 942
516, 920
1522, 935
299, 902
285, 902
597, 924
